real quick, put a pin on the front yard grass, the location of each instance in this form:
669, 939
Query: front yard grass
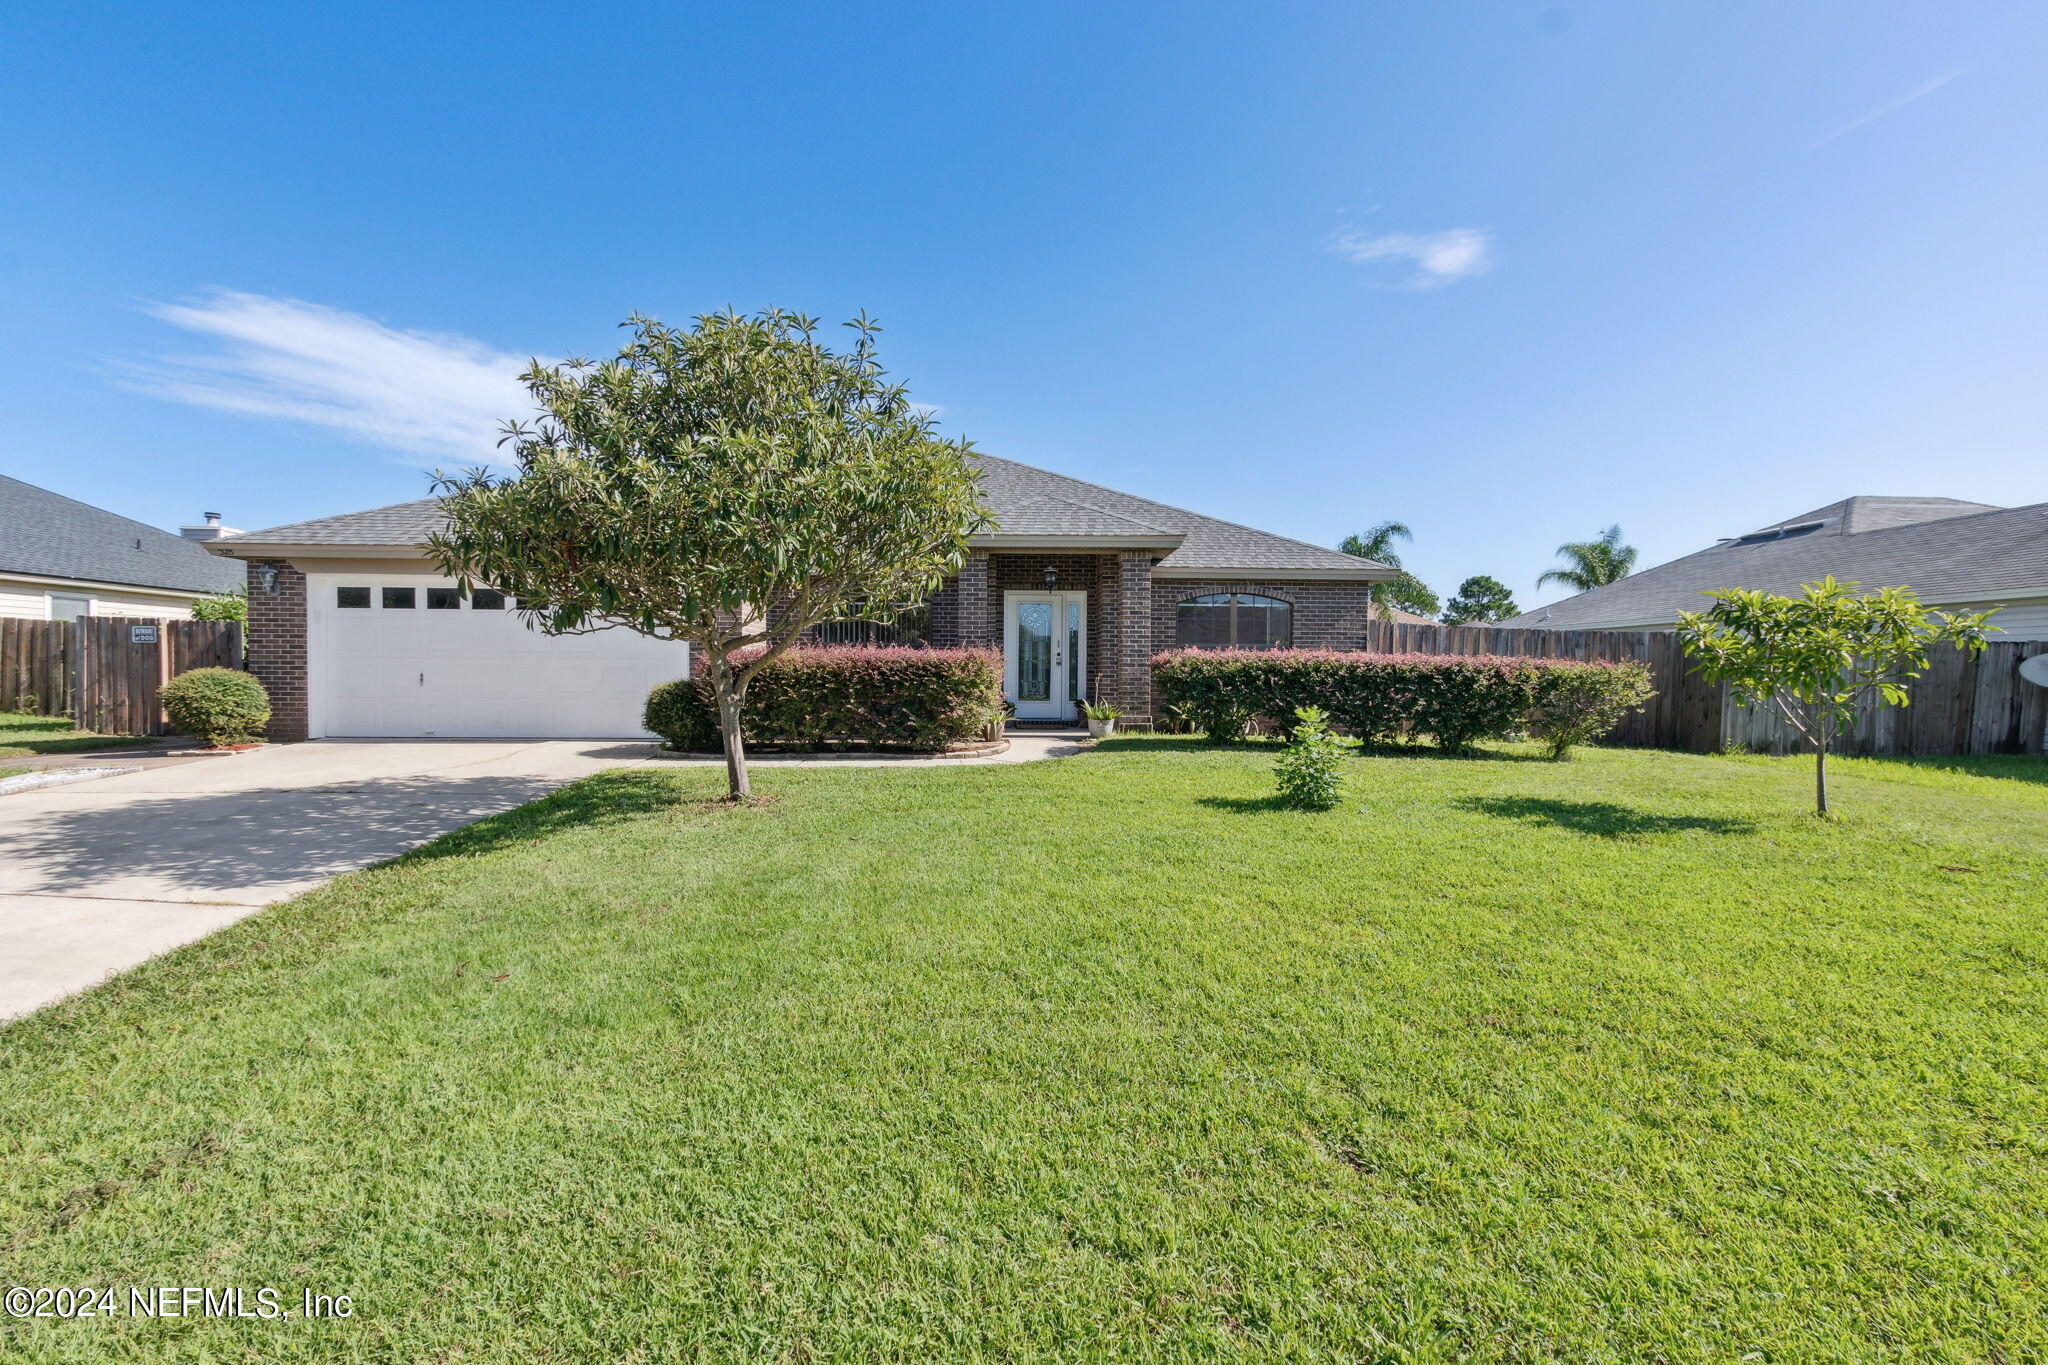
24, 735
1624, 1059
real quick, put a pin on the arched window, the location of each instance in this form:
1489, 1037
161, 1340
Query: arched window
1234, 620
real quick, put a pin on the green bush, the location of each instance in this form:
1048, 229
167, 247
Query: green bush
1454, 699
227, 606
1376, 697
1310, 770
844, 696
217, 706
1580, 701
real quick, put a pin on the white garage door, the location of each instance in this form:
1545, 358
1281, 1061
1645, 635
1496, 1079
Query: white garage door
396, 655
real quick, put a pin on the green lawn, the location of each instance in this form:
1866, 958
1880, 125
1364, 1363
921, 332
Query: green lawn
23, 735
1627, 1059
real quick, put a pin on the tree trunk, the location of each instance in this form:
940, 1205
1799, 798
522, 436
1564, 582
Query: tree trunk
1820, 777
729, 732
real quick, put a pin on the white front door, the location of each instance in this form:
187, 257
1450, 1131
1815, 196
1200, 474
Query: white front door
1045, 653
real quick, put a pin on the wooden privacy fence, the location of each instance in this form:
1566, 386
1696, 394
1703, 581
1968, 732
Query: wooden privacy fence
1961, 705
104, 671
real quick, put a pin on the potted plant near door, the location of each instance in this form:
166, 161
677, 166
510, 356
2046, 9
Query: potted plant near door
1101, 718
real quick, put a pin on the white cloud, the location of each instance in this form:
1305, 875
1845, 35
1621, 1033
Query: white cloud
430, 395
1438, 258
1890, 106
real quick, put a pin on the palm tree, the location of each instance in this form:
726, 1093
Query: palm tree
1593, 563
1377, 544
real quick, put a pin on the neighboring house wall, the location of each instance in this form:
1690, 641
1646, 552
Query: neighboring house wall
2020, 618
30, 601
24, 601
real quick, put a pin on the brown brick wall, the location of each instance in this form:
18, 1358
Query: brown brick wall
1026, 572
969, 610
1136, 633
960, 608
277, 645
1326, 615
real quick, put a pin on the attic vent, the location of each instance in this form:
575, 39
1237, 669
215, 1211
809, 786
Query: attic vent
1804, 528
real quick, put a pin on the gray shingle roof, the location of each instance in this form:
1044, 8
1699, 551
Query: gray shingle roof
1953, 556
1061, 517
1024, 499
401, 524
51, 536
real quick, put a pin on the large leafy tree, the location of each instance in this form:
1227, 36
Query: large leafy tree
730, 484
1409, 593
1816, 657
1404, 590
1590, 564
1480, 599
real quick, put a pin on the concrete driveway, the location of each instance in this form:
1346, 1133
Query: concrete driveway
99, 876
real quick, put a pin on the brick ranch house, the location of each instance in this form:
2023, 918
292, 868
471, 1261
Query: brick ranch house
355, 635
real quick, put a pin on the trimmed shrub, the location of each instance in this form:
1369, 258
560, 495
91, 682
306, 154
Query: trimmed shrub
1454, 699
217, 706
851, 696
1579, 701
1310, 770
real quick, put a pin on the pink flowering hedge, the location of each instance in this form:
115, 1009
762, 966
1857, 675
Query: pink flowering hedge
1454, 699
844, 696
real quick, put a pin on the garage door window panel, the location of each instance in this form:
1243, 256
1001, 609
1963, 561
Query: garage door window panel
400, 599
352, 598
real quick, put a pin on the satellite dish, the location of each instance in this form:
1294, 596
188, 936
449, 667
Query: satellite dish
2035, 670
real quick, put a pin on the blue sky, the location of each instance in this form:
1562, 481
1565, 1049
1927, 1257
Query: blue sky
1506, 272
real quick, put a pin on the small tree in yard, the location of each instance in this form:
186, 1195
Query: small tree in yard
1814, 658
1311, 767
730, 484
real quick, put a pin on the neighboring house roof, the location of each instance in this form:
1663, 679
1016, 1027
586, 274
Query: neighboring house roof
1945, 550
1028, 504
47, 535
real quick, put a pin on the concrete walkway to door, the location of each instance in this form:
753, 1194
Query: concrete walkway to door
98, 876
